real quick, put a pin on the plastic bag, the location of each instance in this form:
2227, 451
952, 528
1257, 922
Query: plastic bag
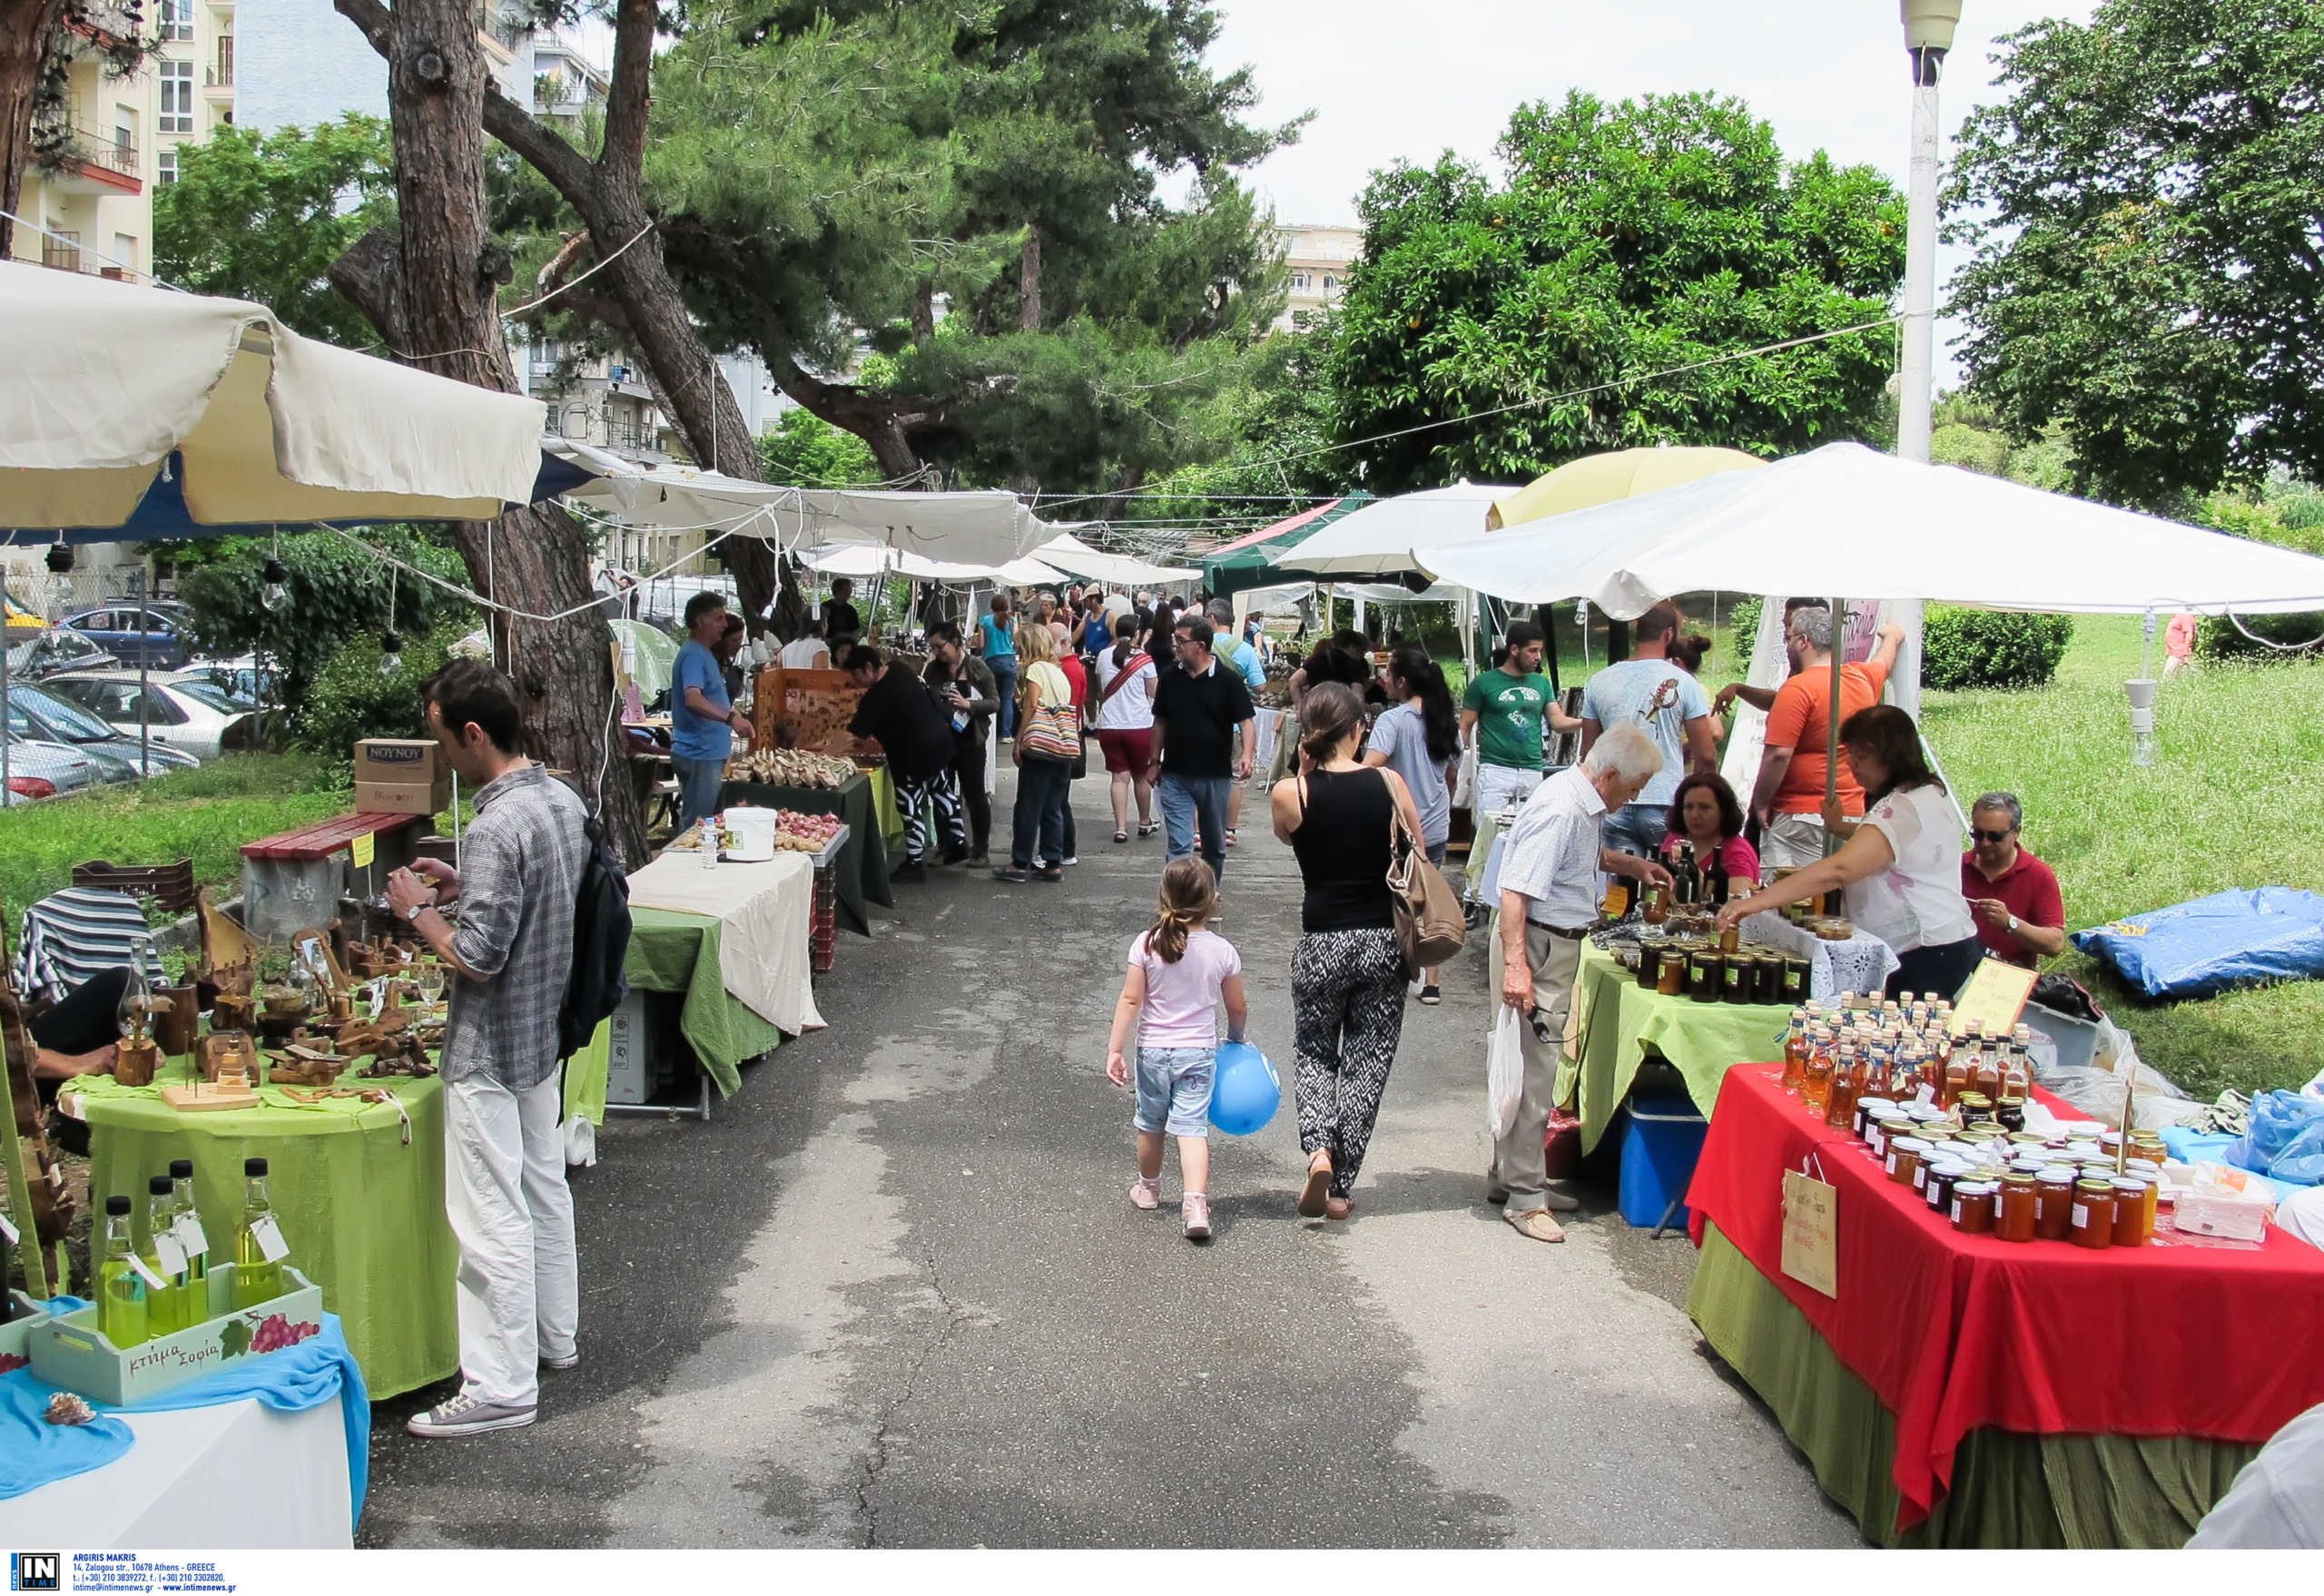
1505, 1072
1464, 779
2285, 1139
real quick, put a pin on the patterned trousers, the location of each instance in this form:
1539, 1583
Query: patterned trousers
915, 796
1347, 1000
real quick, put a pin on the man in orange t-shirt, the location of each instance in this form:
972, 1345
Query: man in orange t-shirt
1788, 798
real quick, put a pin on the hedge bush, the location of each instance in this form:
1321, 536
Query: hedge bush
1991, 648
352, 699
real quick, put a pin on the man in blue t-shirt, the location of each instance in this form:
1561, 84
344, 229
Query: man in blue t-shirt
1662, 699
703, 719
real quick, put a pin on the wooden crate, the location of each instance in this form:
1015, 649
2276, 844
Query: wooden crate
817, 704
172, 884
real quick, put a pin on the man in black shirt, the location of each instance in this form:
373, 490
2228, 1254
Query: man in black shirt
841, 622
966, 685
898, 712
1199, 711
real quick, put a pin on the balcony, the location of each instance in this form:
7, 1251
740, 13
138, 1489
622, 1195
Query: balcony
218, 79
97, 163
60, 251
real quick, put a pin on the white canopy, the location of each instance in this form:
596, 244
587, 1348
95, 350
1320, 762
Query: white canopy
1390, 535
104, 380
1849, 520
1069, 553
865, 559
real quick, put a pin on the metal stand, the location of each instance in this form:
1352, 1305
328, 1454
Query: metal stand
700, 1111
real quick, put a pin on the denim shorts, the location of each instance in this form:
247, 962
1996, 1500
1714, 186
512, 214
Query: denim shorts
1173, 1089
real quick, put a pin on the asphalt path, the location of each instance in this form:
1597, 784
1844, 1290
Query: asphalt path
893, 1294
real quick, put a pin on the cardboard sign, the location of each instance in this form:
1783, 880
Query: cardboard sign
362, 849
1811, 1233
1994, 996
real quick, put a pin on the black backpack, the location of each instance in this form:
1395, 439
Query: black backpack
598, 984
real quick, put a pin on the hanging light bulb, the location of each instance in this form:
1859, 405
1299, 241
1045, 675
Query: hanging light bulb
60, 559
276, 591
391, 652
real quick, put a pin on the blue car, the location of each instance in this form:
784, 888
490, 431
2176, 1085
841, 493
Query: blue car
132, 635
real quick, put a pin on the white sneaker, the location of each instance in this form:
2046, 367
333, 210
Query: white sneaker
1070, 859
571, 1360
468, 1415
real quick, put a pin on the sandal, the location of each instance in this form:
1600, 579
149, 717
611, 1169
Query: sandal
1230, 838
1313, 1195
1338, 1207
1121, 837
1146, 828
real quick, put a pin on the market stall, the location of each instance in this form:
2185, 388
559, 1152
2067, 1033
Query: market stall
1616, 1022
1955, 1388
866, 803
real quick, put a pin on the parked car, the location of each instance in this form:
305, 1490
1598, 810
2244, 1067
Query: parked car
239, 678
198, 717
33, 712
60, 649
38, 769
132, 633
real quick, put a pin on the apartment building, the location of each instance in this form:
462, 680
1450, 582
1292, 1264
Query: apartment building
94, 211
1316, 259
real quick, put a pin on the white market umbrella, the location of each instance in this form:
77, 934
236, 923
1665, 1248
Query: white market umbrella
1069, 554
105, 380
1391, 535
1847, 520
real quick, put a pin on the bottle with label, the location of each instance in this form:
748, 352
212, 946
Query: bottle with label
1716, 883
258, 1249
1795, 1052
1815, 1088
120, 1289
186, 1224
164, 1303
1682, 874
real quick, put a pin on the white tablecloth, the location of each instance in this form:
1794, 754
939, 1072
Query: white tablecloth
1861, 964
762, 913
236, 1476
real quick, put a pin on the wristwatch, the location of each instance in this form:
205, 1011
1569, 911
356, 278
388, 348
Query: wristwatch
2012, 925
412, 914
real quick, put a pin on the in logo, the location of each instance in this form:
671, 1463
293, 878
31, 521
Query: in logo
34, 1571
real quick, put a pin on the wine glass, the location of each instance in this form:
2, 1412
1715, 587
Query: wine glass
430, 974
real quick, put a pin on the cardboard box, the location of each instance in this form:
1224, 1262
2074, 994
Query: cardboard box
70, 1352
403, 798
401, 762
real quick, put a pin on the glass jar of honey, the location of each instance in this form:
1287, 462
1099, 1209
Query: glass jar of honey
1976, 1108
1734, 976
1939, 1175
2093, 1214
1706, 974
1730, 940
1650, 965
1885, 1132
2019, 1199
2130, 1210
1670, 976
1869, 1113
2010, 1114
2053, 1203
1798, 977
2148, 1145
1766, 979
1973, 1202
1905, 1155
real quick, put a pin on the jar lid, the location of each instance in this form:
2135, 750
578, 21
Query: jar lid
1910, 1144
2129, 1183
1942, 1163
2094, 1187
1922, 1113
2057, 1175
2018, 1177
1977, 1188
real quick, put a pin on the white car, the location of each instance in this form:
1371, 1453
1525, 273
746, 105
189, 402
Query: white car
193, 717
38, 769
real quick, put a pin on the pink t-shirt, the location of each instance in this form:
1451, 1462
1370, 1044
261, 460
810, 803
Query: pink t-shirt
1182, 999
1739, 857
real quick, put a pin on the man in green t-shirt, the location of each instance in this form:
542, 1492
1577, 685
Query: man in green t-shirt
1505, 707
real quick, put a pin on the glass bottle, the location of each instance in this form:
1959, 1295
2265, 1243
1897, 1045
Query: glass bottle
164, 1304
1816, 1085
120, 1289
255, 1279
195, 1281
1847, 1085
1795, 1052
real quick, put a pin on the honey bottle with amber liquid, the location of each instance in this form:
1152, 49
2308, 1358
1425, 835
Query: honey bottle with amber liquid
1795, 1052
1816, 1086
1846, 1085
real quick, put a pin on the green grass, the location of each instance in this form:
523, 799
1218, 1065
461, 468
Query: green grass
2230, 803
204, 814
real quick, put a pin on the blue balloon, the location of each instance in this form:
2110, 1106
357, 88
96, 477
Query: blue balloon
1244, 1092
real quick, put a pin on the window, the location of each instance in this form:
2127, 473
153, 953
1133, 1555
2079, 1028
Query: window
124, 253
1329, 284
1299, 283
165, 167
177, 20
177, 96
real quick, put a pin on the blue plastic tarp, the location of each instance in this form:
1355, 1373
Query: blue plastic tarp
2227, 939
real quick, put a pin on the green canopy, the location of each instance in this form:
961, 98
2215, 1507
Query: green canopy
1249, 560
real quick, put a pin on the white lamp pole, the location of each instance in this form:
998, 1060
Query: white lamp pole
1928, 34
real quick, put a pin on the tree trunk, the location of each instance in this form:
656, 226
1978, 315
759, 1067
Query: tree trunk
437, 309
923, 312
1029, 282
25, 28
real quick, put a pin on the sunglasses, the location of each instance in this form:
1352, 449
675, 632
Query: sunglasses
1985, 836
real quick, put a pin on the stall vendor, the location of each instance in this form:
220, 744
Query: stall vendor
1705, 812
1788, 796
704, 721
2021, 914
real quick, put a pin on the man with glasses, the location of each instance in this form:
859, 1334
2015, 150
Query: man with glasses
2020, 915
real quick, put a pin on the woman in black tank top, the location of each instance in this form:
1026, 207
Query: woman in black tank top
1347, 973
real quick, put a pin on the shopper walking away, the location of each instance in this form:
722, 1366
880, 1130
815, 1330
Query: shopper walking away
1179, 973
1505, 708
1418, 740
1245, 658
1901, 865
898, 712
1048, 737
971, 698
517, 1294
1651, 691
1199, 710
1077, 678
996, 636
1347, 972
1125, 726
1548, 899
704, 720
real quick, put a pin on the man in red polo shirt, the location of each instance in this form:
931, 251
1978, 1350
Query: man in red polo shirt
2021, 916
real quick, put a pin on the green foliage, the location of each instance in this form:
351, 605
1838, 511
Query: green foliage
336, 591
1743, 621
806, 451
1629, 239
1963, 648
2217, 637
261, 216
1969, 433
2147, 271
352, 698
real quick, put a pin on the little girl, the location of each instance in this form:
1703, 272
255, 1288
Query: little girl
1178, 974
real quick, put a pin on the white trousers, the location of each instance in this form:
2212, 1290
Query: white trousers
520, 1286
1499, 786
1793, 842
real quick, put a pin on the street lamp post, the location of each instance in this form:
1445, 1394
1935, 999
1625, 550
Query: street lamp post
1928, 34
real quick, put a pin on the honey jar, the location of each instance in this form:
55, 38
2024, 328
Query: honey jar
1650, 965
1939, 1175
1799, 975
2130, 1210
1973, 1202
2019, 1199
1734, 976
1730, 940
1885, 1133
2148, 1145
1869, 1113
1766, 983
1976, 1108
1706, 974
2053, 1203
2093, 1214
1904, 1155
1670, 977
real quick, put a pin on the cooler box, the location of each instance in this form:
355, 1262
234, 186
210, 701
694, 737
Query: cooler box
1659, 1146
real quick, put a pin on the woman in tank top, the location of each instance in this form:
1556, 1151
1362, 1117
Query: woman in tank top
1347, 973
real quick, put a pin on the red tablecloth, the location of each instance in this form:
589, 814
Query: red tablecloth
1957, 1333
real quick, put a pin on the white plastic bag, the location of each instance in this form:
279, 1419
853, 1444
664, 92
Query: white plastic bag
1464, 779
1504, 1072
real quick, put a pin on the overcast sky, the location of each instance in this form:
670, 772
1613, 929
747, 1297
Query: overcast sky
1409, 79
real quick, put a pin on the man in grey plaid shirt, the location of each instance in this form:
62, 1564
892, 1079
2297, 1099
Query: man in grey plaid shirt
511, 953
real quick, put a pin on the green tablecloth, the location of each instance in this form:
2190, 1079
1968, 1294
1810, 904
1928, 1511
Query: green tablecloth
861, 872
363, 1212
883, 800
1615, 1022
2009, 1489
673, 952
